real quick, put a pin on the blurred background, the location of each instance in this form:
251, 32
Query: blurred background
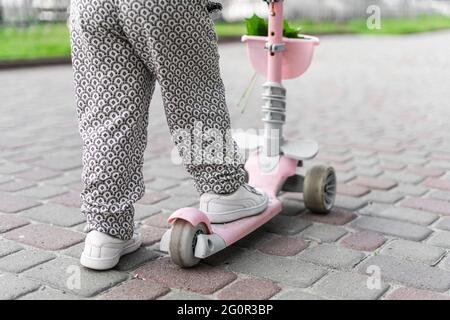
37, 28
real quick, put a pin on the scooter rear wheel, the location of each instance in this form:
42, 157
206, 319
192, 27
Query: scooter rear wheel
319, 189
183, 240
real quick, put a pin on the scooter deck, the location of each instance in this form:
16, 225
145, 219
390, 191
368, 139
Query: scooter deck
236, 230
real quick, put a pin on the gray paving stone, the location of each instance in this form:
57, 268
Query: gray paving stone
55, 214
177, 173
226, 256
42, 192
366, 162
12, 286
39, 149
183, 190
10, 222
444, 224
399, 229
405, 159
11, 168
161, 184
442, 164
254, 239
345, 177
278, 269
368, 171
46, 293
74, 251
286, 225
404, 177
16, 185
14, 142
64, 180
414, 251
60, 163
23, 260
349, 203
413, 274
292, 207
135, 259
12, 204
372, 209
142, 212
440, 239
62, 272
411, 190
445, 263
383, 197
348, 286
418, 153
441, 195
8, 247
408, 215
360, 154
296, 294
175, 203
4, 179
38, 174
332, 256
324, 233
23, 158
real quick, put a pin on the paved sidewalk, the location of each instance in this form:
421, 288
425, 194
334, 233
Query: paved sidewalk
379, 107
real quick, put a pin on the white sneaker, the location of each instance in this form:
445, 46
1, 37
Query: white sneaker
246, 201
103, 252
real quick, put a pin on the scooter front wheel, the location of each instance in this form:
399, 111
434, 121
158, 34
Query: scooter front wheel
183, 240
319, 189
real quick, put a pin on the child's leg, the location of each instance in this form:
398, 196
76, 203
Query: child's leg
178, 40
113, 92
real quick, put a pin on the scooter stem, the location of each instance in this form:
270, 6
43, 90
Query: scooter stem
275, 37
274, 94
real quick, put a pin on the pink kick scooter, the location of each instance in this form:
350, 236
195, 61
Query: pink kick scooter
273, 165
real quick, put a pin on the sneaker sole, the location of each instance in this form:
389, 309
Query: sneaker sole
107, 263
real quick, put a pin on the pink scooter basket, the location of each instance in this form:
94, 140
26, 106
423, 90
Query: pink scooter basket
296, 57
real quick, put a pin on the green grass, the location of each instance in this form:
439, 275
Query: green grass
38, 41
358, 26
52, 40
402, 26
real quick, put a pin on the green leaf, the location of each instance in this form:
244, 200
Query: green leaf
289, 31
256, 26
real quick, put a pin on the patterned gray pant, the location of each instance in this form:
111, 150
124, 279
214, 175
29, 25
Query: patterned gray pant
120, 48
